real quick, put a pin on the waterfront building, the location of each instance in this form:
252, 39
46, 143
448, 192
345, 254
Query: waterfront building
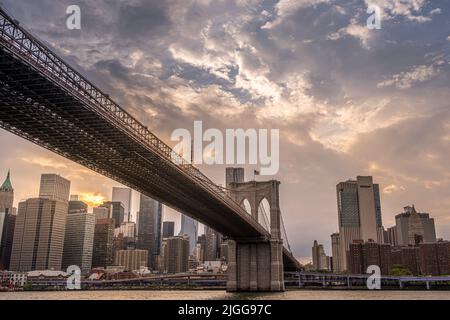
365, 254
434, 258
406, 257
12, 278
359, 213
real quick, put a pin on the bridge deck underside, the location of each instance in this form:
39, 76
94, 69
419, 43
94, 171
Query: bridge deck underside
35, 109
41, 111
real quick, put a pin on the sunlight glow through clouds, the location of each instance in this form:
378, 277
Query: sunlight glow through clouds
92, 199
393, 188
45, 162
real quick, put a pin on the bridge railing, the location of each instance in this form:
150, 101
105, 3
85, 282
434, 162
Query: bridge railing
25, 46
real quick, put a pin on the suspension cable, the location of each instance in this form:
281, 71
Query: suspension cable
285, 233
264, 214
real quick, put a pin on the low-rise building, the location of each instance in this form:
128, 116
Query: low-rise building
406, 257
362, 255
434, 258
11, 278
46, 278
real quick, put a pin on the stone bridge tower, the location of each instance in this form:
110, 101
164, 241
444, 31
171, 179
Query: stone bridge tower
257, 264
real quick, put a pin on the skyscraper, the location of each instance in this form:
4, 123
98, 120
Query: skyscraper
201, 242
117, 210
211, 252
123, 195
6, 195
7, 222
101, 213
54, 187
103, 249
149, 228
319, 257
77, 206
125, 237
413, 227
176, 254
189, 228
336, 252
79, 240
128, 229
390, 236
168, 229
131, 259
359, 212
40, 227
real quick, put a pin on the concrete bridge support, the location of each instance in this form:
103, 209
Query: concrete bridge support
257, 264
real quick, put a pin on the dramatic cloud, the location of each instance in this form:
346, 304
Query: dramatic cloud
410, 9
405, 80
45, 162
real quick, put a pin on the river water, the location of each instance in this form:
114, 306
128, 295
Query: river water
222, 295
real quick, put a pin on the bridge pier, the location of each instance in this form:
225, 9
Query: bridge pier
255, 265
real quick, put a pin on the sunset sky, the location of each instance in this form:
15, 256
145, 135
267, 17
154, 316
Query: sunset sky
348, 100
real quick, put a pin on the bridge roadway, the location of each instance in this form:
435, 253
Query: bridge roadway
44, 100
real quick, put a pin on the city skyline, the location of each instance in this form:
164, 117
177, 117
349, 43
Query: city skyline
348, 123
304, 260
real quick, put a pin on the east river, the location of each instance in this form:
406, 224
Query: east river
222, 295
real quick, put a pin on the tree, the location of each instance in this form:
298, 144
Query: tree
400, 271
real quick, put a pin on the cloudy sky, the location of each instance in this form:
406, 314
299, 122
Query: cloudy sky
348, 100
